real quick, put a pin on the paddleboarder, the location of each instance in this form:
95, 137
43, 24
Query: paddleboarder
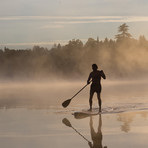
95, 76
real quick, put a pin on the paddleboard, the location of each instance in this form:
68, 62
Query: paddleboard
85, 113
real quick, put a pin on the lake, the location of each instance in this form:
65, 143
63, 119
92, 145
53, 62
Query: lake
31, 115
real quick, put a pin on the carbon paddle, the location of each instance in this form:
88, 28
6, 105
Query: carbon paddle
67, 102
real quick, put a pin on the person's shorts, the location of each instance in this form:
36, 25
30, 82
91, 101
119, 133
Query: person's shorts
95, 88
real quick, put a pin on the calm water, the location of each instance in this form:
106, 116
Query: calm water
31, 116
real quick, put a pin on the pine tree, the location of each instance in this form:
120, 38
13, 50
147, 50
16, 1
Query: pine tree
123, 33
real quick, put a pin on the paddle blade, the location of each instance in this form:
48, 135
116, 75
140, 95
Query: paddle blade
66, 122
66, 103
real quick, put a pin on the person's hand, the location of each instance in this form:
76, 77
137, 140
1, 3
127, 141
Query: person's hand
101, 71
102, 74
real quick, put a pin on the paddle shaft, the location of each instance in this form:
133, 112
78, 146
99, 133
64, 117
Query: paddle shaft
67, 102
79, 91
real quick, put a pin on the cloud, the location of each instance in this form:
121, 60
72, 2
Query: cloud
34, 43
105, 19
52, 26
76, 19
31, 44
15, 18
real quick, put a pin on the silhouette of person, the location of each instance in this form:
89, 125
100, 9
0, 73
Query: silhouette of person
95, 76
96, 136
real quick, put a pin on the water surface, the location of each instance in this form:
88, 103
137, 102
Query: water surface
31, 115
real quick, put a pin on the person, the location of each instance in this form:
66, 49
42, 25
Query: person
95, 77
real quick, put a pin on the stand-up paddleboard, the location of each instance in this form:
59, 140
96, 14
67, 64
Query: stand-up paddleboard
86, 113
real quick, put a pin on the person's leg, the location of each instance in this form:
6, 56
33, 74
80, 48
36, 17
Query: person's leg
90, 99
99, 100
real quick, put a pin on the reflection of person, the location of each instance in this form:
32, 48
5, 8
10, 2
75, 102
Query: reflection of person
96, 136
95, 76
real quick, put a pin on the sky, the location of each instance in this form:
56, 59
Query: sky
25, 23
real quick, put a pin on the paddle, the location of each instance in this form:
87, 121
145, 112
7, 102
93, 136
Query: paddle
67, 102
67, 123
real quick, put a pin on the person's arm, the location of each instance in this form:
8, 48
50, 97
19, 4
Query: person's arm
89, 78
102, 74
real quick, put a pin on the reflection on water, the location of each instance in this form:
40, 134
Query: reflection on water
129, 127
128, 118
32, 119
43, 128
96, 136
67, 123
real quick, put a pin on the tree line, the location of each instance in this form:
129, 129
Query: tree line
123, 56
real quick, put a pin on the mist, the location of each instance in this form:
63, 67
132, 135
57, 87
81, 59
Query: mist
124, 57
41, 78
51, 94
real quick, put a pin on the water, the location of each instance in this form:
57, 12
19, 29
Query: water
31, 115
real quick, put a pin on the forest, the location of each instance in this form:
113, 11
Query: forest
121, 57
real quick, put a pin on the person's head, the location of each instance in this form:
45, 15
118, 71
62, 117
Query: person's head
94, 67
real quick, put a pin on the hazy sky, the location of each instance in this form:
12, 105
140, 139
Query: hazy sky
24, 23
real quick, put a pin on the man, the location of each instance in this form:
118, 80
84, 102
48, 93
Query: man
95, 77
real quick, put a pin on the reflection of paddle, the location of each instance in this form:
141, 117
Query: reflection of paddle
67, 123
67, 102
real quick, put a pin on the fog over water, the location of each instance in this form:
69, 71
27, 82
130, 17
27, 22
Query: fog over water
31, 114
48, 94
